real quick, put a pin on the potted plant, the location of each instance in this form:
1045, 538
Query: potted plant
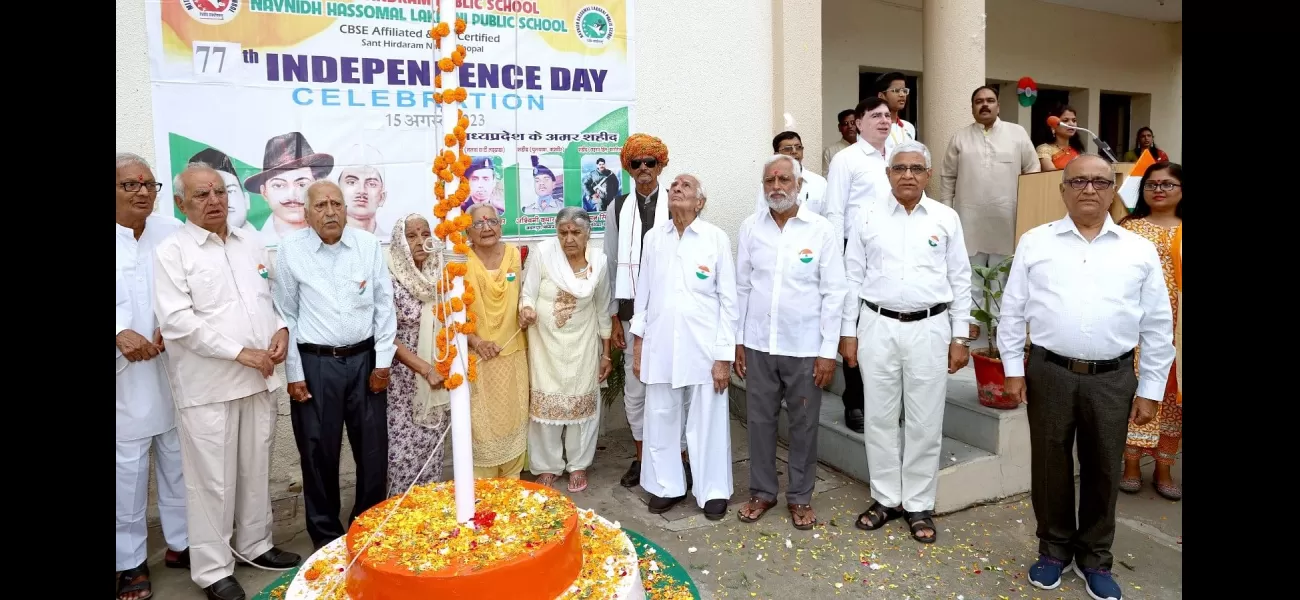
989, 376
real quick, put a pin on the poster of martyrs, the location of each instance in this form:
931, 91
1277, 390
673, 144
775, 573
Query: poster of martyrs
276, 94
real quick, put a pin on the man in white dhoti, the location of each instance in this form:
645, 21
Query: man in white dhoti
684, 327
980, 179
628, 219
907, 325
224, 338
790, 292
146, 416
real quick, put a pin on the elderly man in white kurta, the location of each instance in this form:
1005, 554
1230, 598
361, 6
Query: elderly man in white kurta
907, 324
146, 416
684, 323
224, 338
980, 178
790, 293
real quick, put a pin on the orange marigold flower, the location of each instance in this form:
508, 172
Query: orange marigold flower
437, 97
449, 157
461, 94
440, 211
444, 175
454, 381
464, 221
437, 80
468, 296
469, 328
473, 368
457, 58
460, 249
446, 65
449, 140
460, 26
442, 30
457, 304
458, 170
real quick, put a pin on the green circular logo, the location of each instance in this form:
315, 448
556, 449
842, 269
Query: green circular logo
594, 26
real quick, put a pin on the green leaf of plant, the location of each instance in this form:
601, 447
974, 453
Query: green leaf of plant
983, 317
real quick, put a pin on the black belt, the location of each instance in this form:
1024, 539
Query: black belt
337, 351
907, 317
1087, 367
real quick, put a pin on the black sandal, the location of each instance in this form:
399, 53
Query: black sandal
922, 520
876, 517
124, 585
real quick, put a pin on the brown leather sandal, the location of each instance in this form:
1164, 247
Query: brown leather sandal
755, 504
800, 512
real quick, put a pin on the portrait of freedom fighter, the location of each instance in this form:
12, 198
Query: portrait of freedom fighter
289, 165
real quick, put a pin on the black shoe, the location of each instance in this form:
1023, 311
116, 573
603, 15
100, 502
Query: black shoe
226, 588
276, 558
686, 467
633, 475
715, 509
854, 420
182, 560
659, 505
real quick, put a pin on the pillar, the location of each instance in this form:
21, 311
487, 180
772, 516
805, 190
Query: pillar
797, 75
952, 58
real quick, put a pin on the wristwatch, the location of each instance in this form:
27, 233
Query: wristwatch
961, 340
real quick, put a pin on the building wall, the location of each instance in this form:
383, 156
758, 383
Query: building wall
1057, 46
714, 119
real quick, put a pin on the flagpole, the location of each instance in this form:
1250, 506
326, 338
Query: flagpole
462, 445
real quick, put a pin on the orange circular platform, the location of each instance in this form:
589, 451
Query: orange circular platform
525, 545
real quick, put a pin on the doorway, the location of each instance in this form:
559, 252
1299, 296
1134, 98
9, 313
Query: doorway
1116, 114
867, 89
1048, 99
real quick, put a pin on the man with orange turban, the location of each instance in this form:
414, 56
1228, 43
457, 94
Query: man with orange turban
644, 156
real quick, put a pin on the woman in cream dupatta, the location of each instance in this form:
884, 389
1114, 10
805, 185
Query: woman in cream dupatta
417, 410
499, 399
1158, 217
565, 303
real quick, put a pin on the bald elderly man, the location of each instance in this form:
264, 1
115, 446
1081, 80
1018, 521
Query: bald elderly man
626, 226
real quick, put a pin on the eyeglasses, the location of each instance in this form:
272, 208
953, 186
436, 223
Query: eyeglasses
486, 223
791, 149
1164, 186
1097, 184
915, 169
650, 163
132, 187
900, 91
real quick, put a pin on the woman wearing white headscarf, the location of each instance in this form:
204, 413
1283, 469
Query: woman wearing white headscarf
566, 296
417, 404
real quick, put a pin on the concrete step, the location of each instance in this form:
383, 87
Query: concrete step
985, 452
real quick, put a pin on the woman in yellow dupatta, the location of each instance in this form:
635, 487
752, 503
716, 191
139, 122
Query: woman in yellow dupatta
1158, 217
499, 399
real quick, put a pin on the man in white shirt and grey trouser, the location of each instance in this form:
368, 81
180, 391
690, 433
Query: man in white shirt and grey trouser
790, 293
908, 326
1090, 291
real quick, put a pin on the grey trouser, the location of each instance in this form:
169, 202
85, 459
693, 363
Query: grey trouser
768, 380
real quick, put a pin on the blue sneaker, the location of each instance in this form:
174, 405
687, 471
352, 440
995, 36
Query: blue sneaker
1046, 573
1101, 585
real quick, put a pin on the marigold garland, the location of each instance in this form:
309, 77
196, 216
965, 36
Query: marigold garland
451, 164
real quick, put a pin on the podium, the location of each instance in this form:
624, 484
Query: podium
1038, 198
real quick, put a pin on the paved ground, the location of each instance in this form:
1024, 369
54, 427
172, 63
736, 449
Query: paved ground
982, 552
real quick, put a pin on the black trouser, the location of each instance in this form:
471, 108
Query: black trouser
340, 396
1092, 409
852, 376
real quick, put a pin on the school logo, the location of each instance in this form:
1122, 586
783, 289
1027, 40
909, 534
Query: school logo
805, 256
593, 26
211, 12
261, 270
933, 241
702, 272
510, 276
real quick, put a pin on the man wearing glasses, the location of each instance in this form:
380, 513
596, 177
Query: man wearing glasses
857, 178
1091, 292
812, 190
905, 323
892, 88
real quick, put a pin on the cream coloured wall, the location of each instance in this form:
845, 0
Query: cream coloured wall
1055, 45
706, 92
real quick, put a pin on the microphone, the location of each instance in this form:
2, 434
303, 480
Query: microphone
1055, 122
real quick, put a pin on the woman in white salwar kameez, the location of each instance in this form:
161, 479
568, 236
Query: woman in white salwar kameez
564, 305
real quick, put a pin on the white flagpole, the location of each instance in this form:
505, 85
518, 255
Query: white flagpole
462, 444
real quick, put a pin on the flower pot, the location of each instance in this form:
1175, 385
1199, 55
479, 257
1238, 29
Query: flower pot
989, 379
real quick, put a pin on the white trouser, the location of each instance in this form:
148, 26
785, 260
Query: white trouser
904, 367
708, 441
133, 496
634, 392
550, 445
983, 259
227, 452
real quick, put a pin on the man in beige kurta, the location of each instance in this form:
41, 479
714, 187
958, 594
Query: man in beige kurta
212, 297
979, 178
